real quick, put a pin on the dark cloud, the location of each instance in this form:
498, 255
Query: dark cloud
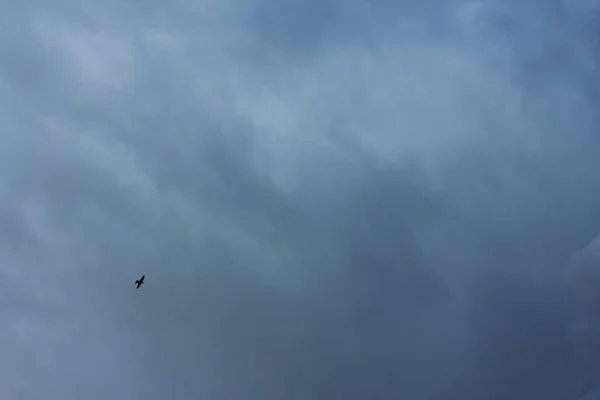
329, 199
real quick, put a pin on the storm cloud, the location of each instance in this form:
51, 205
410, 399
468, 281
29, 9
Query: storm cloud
329, 199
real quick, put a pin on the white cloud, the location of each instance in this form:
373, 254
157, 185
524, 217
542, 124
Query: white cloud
100, 61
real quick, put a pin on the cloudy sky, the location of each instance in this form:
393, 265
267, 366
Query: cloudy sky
331, 199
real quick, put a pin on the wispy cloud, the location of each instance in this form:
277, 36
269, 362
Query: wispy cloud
329, 199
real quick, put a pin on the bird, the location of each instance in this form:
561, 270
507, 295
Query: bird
140, 281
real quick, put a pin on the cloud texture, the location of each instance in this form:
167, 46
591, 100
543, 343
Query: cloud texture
330, 199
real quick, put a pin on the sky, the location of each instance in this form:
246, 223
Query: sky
329, 199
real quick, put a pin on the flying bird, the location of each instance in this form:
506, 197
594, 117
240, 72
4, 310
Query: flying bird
140, 281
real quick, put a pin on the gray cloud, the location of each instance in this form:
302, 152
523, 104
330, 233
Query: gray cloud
329, 199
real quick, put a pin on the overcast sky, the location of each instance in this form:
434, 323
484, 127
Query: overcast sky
330, 199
